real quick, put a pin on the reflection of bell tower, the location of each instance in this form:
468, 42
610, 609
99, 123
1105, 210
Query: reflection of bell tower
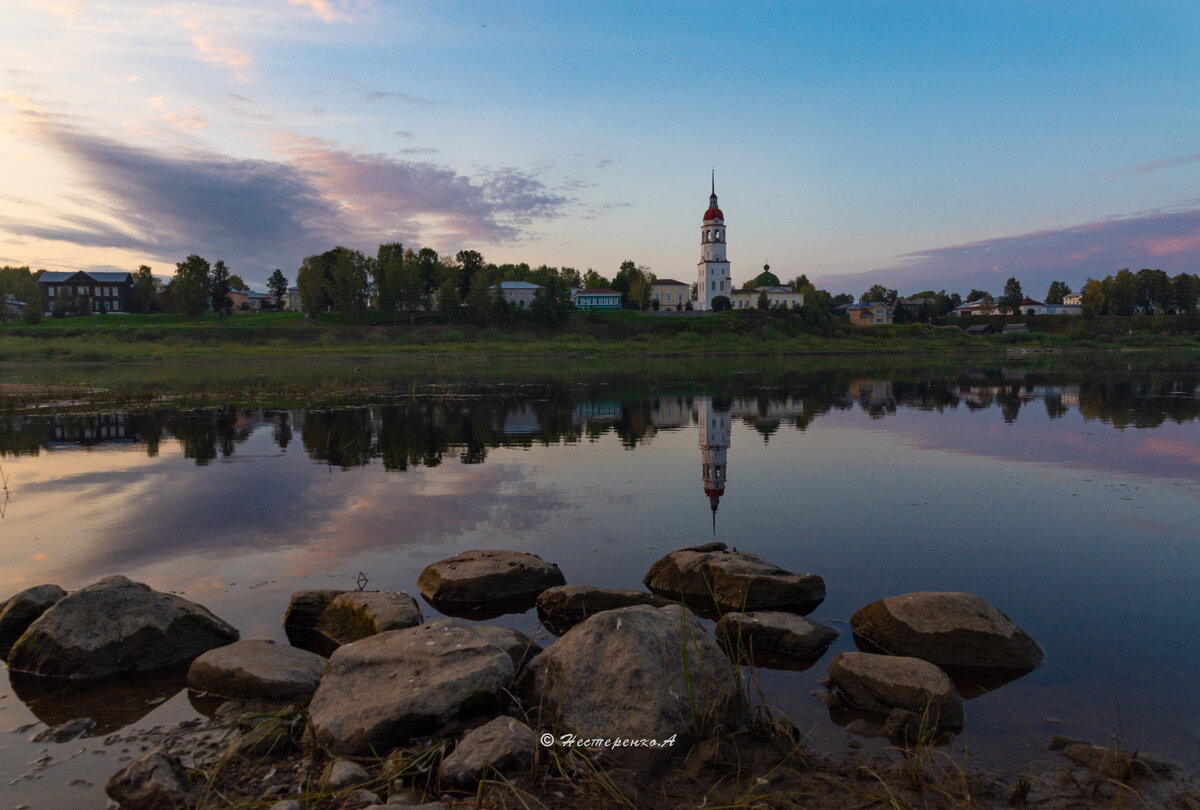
714, 447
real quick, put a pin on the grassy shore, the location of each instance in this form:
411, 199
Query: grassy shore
142, 338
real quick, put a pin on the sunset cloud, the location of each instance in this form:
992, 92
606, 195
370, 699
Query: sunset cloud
265, 213
1164, 239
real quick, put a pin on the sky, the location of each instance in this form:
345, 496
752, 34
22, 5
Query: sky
921, 145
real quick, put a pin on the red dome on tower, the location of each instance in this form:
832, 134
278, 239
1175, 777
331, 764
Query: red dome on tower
713, 213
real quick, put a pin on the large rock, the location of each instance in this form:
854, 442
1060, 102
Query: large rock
712, 579
306, 608
114, 626
386, 689
503, 744
257, 669
621, 675
520, 647
358, 614
768, 634
478, 581
19, 611
881, 683
960, 632
156, 781
564, 606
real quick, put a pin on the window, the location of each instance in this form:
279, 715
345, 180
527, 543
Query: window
50, 291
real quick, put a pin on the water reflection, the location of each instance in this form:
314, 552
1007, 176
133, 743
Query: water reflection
114, 702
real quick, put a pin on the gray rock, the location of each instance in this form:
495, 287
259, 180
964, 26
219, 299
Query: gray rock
257, 669
620, 675
960, 632
881, 683
357, 614
476, 579
358, 799
115, 626
290, 804
306, 607
342, 773
19, 611
564, 606
64, 732
1112, 762
503, 744
520, 647
386, 689
153, 782
774, 633
712, 579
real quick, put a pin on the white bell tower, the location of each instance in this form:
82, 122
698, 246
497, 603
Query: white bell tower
713, 270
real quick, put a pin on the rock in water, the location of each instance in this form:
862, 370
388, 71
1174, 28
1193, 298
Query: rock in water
115, 626
881, 683
960, 632
386, 689
18, 612
709, 576
358, 614
621, 675
564, 606
503, 744
154, 782
475, 580
767, 633
257, 669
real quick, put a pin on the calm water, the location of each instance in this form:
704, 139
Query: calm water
1070, 498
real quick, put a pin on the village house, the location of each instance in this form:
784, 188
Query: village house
870, 313
669, 294
517, 294
596, 299
103, 292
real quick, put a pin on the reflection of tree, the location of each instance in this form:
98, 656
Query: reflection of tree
468, 422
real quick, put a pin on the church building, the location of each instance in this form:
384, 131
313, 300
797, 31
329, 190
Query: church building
713, 270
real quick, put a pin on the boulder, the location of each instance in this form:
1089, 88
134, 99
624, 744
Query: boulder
156, 781
305, 608
357, 614
520, 647
766, 634
503, 744
881, 683
562, 607
257, 669
488, 581
960, 632
712, 579
620, 675
382, 691
115, 626
19, 611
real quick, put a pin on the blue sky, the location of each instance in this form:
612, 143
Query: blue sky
948, 144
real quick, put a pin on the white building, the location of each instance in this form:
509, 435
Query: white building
713, 270
518, 294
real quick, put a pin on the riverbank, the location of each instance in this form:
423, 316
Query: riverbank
158, 338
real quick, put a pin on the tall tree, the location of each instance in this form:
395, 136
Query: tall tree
1121, 293
1012, 297
1058, 290
879, 293
190, 286
218, 288
277, 285
350, 282
469, 263
430, 269
594, 281
313, 285
479, 304
1093, 300
387, 268
1185, 289
1154, 291
145, 292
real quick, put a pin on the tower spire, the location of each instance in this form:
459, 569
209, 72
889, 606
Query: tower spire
714, 181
